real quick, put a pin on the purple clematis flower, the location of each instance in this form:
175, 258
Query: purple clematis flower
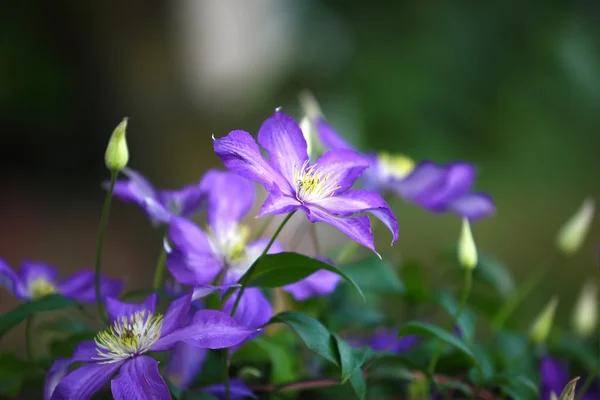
388, 340
136, 329
320, 283
36, 280
322, 190
238, 390
160, 205
437, 188
554, 377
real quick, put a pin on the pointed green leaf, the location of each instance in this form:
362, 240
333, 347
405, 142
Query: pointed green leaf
351, 358
357, 381
49, 303
374, 275
276, 270
568, 392
466, 321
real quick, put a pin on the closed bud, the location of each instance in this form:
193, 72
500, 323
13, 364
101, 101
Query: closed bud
307, 129
585, 315
310, 105
467, 251
117, 154
249, 373
573, 233
543, 323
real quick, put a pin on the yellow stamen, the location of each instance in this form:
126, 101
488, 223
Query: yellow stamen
41, 287
128, 337
230, 245
312, 184
398, 166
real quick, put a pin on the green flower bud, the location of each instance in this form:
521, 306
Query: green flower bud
310, 105
467, 251
585, 315
573, 233
543, 323
117, 155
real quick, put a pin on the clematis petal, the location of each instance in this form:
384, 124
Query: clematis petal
424, 178
139, 379
329, 137
472, 206
85, 352
10, 281
185, 363
82, 383
135, 189
356, 228
116, 308
320, 283
343, 167
80, 286
205, 290
281, 135
31, 270
175, 315
184, 202
253, 311
553, 376
241, 154
458, 179
209, 329
278, 203
357, 201
237, 388
58, 370
230, 198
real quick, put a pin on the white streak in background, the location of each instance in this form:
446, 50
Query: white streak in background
585, 314
234, 50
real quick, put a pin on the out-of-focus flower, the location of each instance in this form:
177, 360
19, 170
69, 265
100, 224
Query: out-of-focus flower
585, 315
237, 389
467, 251
437, 188
554, 377
573, 233
160, 205
137, 329
321, 283
322, 190
542, 325
388, 340
36, 280
117, 154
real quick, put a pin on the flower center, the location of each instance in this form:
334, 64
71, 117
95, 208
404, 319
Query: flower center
41, 287
397, 166
312, 184
229, 244
128, 337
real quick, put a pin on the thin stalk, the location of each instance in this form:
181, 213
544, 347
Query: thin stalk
315, 239
159, 271
100, 242
246, 278
29, 339
226, 374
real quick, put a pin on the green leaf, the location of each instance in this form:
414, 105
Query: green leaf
432, 331
276, 270
495, 274
282, 361
314, 335
351, 358
64, 347
357, 381
518, 387
466, 321
416, 287
568, 392
12, 374
374, 275
49, 303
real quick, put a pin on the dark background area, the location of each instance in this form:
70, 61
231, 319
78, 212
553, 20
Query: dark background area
513, 87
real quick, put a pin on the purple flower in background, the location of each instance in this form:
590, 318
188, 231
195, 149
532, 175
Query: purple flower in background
36, 280
554, 377
137, 329
320, 283
437, 188
160, 205
322, 190
238, 390
387, 339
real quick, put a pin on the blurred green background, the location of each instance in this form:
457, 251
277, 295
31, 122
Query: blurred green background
512, 86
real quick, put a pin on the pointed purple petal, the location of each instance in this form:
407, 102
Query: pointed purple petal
241, 154
184, 202
58, 370
31, 271
237, 388
473, 206
10, 281
459, 178
116, 308
135, 189
329, 137
278, 203
185, 363
82, 383
139, 379
342, 166
357, 201
176, 313
80, 286
281, 135
320, 283
85, 352
230, 198
254, 310
424, 178
209, 329
356, 228
553, 376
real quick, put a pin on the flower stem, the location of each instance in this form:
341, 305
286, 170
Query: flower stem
225, 353
159, 272
246, 278
100, 242
29, 339
461, 307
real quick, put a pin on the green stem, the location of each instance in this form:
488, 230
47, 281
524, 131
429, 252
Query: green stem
588, 382
100, 242
347, 252
315, 239
159, 272
461, 307
246, 278
226, 374
29, 339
